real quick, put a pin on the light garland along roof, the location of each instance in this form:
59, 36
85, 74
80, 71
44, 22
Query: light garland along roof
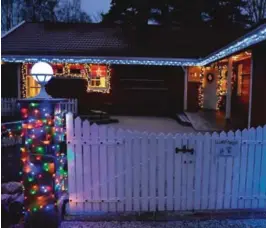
104, 60
251, 38
256, 36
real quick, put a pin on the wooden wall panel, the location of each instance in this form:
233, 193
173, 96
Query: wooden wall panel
192, 98
9, 80
258, 112
135, 90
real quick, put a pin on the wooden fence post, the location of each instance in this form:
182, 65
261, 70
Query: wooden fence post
76, 106
71, 161
87, 161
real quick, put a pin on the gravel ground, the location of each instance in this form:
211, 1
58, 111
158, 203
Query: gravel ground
246, 223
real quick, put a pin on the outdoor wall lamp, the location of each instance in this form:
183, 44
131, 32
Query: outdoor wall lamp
42, 73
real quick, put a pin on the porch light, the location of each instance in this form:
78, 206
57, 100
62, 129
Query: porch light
42, 73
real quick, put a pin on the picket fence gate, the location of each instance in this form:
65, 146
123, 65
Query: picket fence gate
120, 170
9, 106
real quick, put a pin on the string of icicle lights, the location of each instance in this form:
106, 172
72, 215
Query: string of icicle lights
246, 41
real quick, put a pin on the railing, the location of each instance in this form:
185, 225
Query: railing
11, 141
9, 107
71, 104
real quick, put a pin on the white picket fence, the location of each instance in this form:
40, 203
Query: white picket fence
9, 106
70, 106
117, 170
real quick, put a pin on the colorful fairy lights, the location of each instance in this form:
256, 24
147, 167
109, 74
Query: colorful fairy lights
43, 155
200, 89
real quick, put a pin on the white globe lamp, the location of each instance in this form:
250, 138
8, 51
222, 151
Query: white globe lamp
42, 73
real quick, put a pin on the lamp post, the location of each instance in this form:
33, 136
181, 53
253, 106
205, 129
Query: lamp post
42, 153
42, 73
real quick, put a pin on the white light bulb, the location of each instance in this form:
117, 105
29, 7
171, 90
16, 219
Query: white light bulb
42, 68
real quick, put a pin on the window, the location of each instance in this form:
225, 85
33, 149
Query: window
33, 87
76, 70
59, 69
98, 77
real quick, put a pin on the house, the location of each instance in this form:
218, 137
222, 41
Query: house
151, 71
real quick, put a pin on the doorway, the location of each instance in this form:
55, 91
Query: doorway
209, 89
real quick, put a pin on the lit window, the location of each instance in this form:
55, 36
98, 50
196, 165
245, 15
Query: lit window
98, 77
76, 70
33, 87
59, 69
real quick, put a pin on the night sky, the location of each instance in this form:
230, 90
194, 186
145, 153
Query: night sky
93, 7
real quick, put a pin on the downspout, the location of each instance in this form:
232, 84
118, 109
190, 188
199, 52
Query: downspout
250, 92
185, 69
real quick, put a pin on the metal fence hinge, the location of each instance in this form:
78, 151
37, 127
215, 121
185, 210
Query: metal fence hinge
184, 149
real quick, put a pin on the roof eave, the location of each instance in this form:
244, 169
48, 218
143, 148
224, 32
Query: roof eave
254, 37
103, 60
250, 39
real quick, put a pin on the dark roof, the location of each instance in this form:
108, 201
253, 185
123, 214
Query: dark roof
59, 39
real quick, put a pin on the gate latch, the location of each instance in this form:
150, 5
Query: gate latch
184, 149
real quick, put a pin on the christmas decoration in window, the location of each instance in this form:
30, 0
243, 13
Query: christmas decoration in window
97, 77
77, 70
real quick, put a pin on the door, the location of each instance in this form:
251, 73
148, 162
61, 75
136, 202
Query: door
209, 90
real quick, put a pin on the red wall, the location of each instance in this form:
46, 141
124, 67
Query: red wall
240, 103
258, 112
135, 90
9, 80
193, 96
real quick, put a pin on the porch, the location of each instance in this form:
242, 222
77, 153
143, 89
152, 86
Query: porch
218, 96
201, 121
207, 120
214, 120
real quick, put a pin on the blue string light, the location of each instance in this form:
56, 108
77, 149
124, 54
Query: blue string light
256, 36
99, 60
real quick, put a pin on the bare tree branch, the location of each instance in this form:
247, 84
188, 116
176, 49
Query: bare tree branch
97, 17
256, 9
71, 12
